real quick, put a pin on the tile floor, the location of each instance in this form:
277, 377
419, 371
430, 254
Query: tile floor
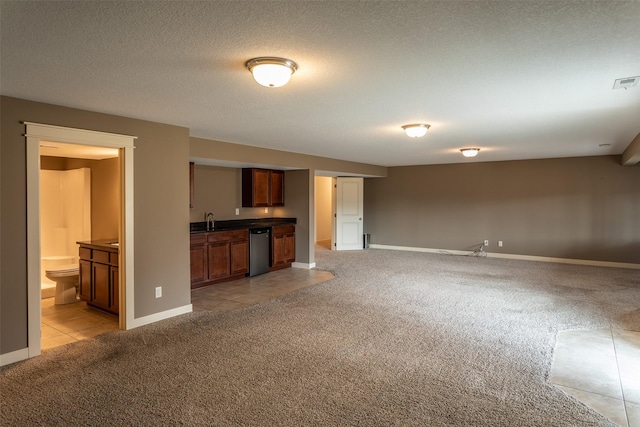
253, 290
67, 323
601, 368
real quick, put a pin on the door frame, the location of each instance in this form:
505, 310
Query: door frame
36, 132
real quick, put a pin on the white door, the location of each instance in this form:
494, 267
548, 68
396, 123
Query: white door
349, 213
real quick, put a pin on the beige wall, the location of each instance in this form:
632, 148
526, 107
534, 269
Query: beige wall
205, 149
298, 197
299, 183
161, 213
580, 208
219, 190
323, 208
105, 191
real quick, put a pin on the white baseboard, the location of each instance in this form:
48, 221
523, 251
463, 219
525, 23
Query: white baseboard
156, 317
14, 356
515, 256
305, 265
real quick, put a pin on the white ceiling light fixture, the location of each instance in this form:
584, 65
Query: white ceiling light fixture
416, 130
469, 152
271, 71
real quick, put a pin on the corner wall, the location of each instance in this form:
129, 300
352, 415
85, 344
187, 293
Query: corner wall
161, 213
579, 208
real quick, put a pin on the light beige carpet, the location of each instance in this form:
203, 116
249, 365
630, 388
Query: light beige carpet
397, 339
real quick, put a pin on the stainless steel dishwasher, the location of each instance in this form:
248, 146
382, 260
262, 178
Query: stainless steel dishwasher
259, 250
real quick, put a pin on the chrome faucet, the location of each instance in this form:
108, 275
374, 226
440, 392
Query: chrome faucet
210, 221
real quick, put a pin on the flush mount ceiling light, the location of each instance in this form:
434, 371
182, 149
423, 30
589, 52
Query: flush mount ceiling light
416, 130
469, 152
270, 71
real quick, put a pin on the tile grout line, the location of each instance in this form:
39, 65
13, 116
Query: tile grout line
624, 400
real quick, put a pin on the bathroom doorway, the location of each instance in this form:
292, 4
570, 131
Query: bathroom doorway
38, 135
324, 208
79, 202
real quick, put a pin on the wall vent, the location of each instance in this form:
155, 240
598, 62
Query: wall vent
626, 82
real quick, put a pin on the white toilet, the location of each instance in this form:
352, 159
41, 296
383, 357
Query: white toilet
67, 278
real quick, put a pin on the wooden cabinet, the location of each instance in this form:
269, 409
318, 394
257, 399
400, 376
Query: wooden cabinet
219, 260
219, 256
283, 246
277, 188
85, 278
115, 289
239, 261
199, 271
262, 187
99, 277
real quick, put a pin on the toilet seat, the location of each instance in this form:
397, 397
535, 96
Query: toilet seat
63, 271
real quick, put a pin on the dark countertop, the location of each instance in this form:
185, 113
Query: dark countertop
240, 224
108, 244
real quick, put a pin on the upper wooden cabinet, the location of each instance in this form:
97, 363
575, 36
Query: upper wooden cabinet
277, 188
262, 188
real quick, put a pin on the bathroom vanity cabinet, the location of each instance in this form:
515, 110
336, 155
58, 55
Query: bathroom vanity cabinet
99, 275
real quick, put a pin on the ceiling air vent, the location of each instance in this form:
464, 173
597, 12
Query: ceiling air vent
626, 82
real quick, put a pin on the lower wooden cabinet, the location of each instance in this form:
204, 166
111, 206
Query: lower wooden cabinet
219, 256
283, 246
239, 257
219, 259
99, 278
199, 271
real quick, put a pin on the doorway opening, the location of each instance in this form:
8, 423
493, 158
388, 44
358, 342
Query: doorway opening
79, 202
324, 210
346, 210
38, 135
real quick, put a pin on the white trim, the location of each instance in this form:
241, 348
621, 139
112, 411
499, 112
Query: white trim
77, 136
126, 235
516, 256
14, 356
163, 315
36, 132
304, 265
34, 309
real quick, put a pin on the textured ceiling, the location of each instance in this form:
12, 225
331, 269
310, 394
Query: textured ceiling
518, 79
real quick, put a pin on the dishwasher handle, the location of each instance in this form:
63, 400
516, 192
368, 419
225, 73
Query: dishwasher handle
260, 230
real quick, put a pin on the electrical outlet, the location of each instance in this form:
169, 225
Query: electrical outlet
158, 291
237, 211
266, 210
499, 243
486, 243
